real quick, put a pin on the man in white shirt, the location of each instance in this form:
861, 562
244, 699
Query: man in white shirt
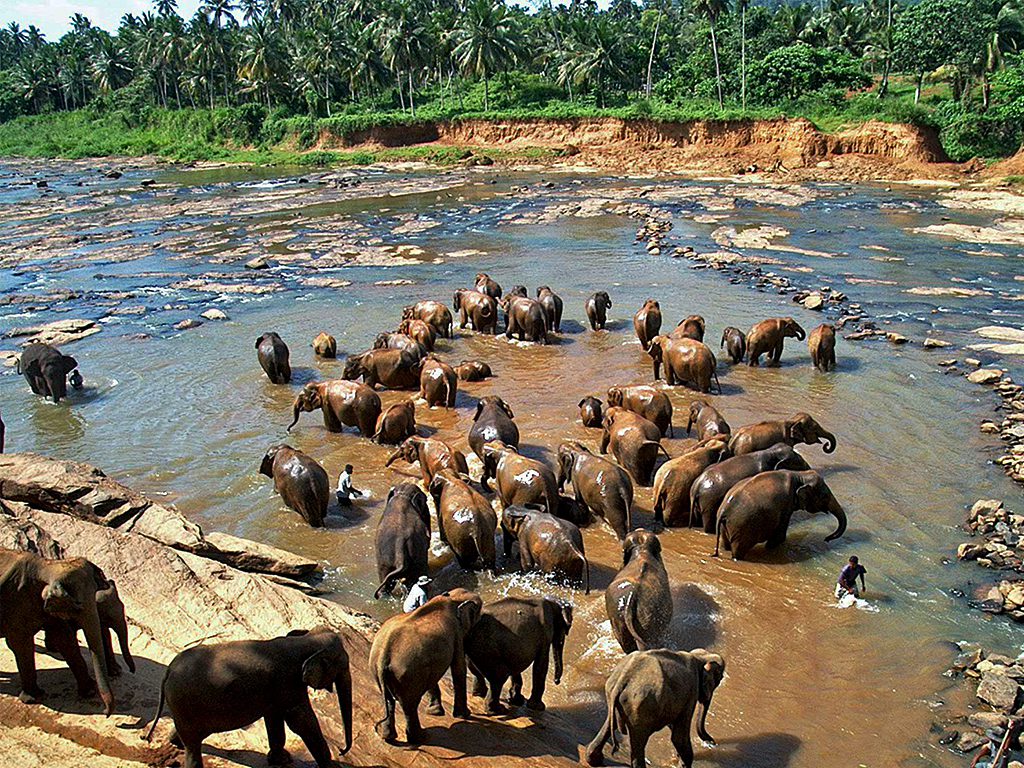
417, 595
345, 490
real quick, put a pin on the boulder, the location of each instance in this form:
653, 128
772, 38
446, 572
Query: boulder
970, 741
213, 314
985, 376
998, 690
57, 333
185, 325
987, 720
931, 343
813, 301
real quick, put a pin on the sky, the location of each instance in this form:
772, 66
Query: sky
52, 16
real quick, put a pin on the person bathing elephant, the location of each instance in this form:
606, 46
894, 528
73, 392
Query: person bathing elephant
325, 346
822, 345
219, 687
434, 313
734, 342
597, 307
634, 442
273, 355
758, 510
300, 480
767, 337
439, 383
396, 424
590, 412
465, 520
686, 362
402, 538
552, 304
801, 428
476, 309
691, 327
46, 370
638, 600
512, 634
647, 322
600, 486
484, 284
473, 370
547, 544
344, 404
433, 456
673, 480
525, 318
391, 368
422, 333
493, 421
707, 419
646, 401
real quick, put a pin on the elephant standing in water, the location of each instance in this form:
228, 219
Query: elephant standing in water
402, 539
433, 455
484, 284
477, 309
395, 340
767, 337
433, 313
709, 422
225, 686
396, 424
439, 383
273, 355
590, 412
422, 333
691, 327
465, 520
638, 600
634, 442
822, 345
734, 342
686, 362
493, 421
391, 368
518, 479
597, 307
758, 509
601, 486
525, 318
801, 428
674, 478
552, 304
326, 346
300, 480
46, 370
547, 544
344, 403
653, 405
647, 322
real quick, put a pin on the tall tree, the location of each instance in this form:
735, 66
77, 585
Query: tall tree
712, 11
486, 41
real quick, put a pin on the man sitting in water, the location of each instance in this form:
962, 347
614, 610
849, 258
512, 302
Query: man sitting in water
345, 490
847, 584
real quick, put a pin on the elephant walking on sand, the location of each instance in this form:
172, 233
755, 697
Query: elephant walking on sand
638, 600
651, 690
768, 336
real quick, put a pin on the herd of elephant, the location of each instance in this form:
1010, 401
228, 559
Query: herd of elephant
743, 485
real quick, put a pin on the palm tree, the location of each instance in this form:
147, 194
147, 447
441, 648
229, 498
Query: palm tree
743, 5
596, 54
166, 8
111, 68
486, 41
403, 38
259, 56
220, 10
712, 10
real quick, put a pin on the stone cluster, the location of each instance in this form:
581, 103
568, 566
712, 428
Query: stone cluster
1011, 428
998, 545
999, 699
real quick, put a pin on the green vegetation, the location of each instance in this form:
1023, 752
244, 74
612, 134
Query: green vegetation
267, 80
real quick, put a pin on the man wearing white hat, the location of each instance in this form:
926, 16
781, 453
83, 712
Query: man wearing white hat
417, 595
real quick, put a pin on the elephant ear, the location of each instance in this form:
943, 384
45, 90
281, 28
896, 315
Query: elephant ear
260, 340
267, 465
69, 364
712, 673
469, 613
102, 582
419, 501
507, 409
317, 672
803, 497
32, 368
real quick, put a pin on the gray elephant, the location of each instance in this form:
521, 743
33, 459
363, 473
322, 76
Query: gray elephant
273, 355
638, 600
547, 544
600, 486
300, 480
768, 336
46, 370
493, 420
734, 342
597, 307
402, 539
800, 428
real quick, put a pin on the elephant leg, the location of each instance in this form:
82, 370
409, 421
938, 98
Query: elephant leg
777, 539
479, 682
540, 675
413, 730
193, 751
434, 705
494, 705
66, 644
638, 738
302, 720
386, 727
277, 754
515, 693
24, 652
595, 749
681, 739
460, 705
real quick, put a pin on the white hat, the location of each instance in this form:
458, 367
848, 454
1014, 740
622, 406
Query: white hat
423, 581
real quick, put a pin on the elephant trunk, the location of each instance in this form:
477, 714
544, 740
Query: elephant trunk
343, 685
702, 730
801, 334
830, 442
393, 458
836, 509
295, 416
121, 630
94, 639
557, 648
58, 386
689, 423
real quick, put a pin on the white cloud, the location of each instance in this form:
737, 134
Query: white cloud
52, 16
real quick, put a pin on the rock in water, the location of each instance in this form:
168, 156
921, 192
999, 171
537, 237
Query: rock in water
985, 376
998, 690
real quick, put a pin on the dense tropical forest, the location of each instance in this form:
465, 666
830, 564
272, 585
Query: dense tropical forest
253, 71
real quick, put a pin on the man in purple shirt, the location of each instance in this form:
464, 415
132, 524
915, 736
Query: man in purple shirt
847, 583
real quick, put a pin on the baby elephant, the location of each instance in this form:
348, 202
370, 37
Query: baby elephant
273, 356
734, 342
326, 346
597, 307
590, 412
822, 344
46, 370
301, 481
473, 370
224, 686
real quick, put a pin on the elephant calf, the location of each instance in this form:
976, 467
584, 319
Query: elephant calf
822, 346
473, 370
707, 419
439, 383
638, 601
734, 342
301, 481
273, 355
647, 322
547, 544
325, 345
597, 307
801, 428
493, 421
634, 441
590, 412
675, 477
512, 634
396, 424
46, 369
432, 455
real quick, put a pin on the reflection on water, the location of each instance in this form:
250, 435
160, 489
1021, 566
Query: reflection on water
187, 416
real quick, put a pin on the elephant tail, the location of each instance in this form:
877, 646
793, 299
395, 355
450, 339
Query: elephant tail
718, 533
447, 393
714, 372
659, 502
586, 571
381, 674
159, 709
630, 617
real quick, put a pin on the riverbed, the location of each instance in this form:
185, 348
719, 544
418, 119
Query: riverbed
186, 415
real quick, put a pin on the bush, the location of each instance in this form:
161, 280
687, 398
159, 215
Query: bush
966, 134
794, 72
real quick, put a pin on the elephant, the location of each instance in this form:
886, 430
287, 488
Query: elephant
710, 487
512, 634
547, 544
552, 304
822, 344
518, 479
734, 342
395, 340
478, 309
46, 370
473, 370
709, 422
600, 486
300, 481
768, 336
673, 480
410, 654
33, 592
484, 284
325, 345
402, 538
638, 599
758, 509
801, 428
645, 401
432, 454
75, 379
221, 687
518, 290
465, 520
686, 362
434, 313
422, 333
647, 322
273, 356
344, 403
590, 411
634, 442
597, 307
493, 421
391, 368
691, 327
438, 382
651, 690
396, 424
525, 318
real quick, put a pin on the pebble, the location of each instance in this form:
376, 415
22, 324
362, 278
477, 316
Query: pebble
931, 343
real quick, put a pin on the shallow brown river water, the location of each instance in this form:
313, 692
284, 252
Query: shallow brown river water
186, 416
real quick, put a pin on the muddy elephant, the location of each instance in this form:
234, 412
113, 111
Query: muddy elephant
638, 600
344, 404
402, 538
597, 307
710, 487
397, 423
518, 479
600, 486
493, 421
438, 382
484, 284
757, 510
634, 442
422, 333
409, 656
33, 592
734, 342
686, 362
547, 544
432, 454
691, 327
219, 687
552, 304
674, 478
273, 355
391, 368
707, 419
525, 319
590, 412
651, 690
326, 346
647, 401
433, 313
473, 370
300, 480
465, 520
767, 337
647, 322
822, 345
801, 428
394, 340
512, 634
476, 309
46, 370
